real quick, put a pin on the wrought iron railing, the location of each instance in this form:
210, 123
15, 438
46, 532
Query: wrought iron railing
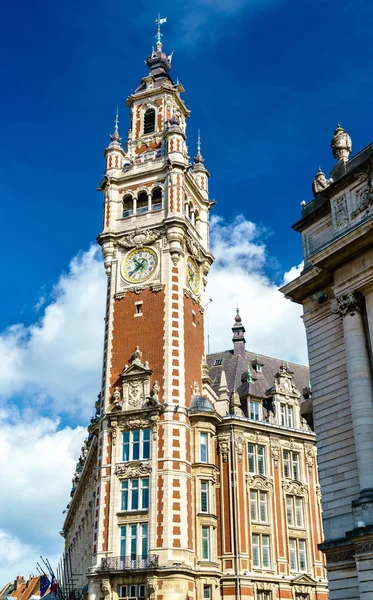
122, 563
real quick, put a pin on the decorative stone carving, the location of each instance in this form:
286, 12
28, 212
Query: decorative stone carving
153, 398
364, 547
113, 427
137, 354
257, 438
275, 450
347, 304
320, 182
291, 445
264, 586
341, 144
364, 199
240, 447
134, 422
194, 248
318, 492
340, 211
295, 488
140, 238
116, 399
310, 457
128, 470
105, 587
344, 556
259, 482
136, 396
223, 445
235, 404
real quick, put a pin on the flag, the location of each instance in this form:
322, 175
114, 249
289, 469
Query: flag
44, 585
161, 21
54, 586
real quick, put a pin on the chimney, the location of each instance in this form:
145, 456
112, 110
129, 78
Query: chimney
238, 335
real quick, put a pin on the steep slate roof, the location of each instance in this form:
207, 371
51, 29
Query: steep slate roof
237, 366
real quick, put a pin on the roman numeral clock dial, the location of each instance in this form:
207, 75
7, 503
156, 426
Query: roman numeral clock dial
192, 275
139, 265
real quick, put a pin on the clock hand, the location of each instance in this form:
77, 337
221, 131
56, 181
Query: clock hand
137, 268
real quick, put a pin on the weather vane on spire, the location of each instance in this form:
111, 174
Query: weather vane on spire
158, 36
116, 121
199, 142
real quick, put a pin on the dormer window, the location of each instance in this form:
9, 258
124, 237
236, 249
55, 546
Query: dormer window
218, 362
149, 121
258, 368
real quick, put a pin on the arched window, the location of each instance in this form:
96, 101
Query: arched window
142, 203
157, 199
149, 120
127, 206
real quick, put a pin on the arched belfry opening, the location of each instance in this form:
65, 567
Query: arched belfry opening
149, 120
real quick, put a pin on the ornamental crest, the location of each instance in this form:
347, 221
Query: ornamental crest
295, 488
127, 470
259, 482
223, 445
140, 238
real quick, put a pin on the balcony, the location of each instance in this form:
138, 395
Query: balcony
124, 563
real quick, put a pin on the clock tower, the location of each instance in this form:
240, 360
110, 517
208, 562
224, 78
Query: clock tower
155, 242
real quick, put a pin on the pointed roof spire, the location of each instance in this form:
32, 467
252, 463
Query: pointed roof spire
238, 335
198, 159
115, 137
158, 62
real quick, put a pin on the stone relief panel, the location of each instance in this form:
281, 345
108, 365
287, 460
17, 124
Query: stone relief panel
259, 482
128, 470
340, 212
295, 488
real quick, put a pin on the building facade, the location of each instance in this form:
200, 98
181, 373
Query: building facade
336, 291
198, 479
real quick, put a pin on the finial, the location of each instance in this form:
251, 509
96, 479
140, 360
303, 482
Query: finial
115, 137
341, 144
159, 35
199, 158
320, 182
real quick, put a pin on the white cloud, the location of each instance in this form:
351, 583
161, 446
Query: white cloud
37, 462
57, 361
273, 324
293, 273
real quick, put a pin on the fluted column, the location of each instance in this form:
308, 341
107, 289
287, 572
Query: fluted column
350, 306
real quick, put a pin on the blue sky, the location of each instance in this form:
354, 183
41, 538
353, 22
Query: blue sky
266, 81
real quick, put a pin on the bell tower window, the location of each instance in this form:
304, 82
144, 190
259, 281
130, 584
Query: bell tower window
149, 121
127, 206
157, 199
142, 203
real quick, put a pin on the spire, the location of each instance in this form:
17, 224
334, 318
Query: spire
223, 387
159, 35
115, 137
238, 335
235, 404
198, 159
158, 62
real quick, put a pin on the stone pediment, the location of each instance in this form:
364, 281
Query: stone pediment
303, 580
135, 371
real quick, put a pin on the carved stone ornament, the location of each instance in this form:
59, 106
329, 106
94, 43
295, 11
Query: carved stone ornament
259, 482
134, 422
319, 183
295, 488
223, 445
127, 470
113, 429
240, 447
364, 200
347, 304
275, 450
340, 211
364, 547
310, 457
136, 396
341, 556
257, 438
105, 587
264, 586
140, 238
137, 289
194, 248
152, 587
318, 492
291, 445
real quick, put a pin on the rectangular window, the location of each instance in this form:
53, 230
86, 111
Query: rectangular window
256, 457
289, 412
254, 410
298, 555
205, 496
291, 465
132, 592
133, 540
136, 445
203, 447
282, 415
263, 595
294, 511
138, 309
135, 494
206, 543
259, 506
286, 416
207, 595
261, 551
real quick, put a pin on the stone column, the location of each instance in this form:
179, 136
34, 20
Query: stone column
350, 306
369, 308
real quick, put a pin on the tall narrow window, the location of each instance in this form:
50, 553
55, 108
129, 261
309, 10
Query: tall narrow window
149, 120
261, 551
127, 206
135, 494
298, 555
142, 203
294, 511
203, 447
206, 543
254, 410
256, 458
205, 496
157, 199
259, 506
289, 411
291, 465
207, 595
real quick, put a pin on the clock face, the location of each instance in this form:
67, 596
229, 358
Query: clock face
139, 265
192, 275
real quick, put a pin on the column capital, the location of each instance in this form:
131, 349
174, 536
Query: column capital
348, 303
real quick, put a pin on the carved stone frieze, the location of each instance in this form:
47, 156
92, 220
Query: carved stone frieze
257, 438
265, 586
134, 469
295, 488
136, 395
140, 237
223, 446
364, 200
194, 249
137, 289
259, 482
348, 303
318, 493
340, 556
340, 211
292, 445
364, 547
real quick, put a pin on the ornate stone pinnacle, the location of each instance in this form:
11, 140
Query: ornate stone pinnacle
320, 182
347, 304
341, 144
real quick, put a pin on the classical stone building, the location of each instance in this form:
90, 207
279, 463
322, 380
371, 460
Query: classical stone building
336, 290
198, 479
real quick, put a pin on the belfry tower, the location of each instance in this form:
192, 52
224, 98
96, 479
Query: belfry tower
156, 250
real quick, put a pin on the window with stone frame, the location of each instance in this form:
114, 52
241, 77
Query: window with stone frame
136, 445
256, 459
259, 506
294, 511
135, 494
207, 592
206, 542
132, 592
291, 463
203, 447
286, 415
133, 543
261, 551
255, 410
205, 496
263, 595
298, 555
149, 121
